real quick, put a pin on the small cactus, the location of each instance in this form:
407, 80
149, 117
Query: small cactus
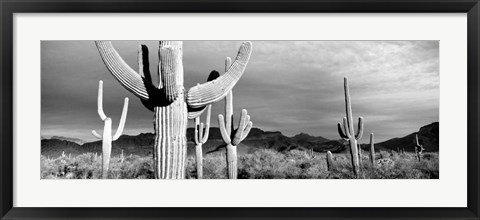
107, 130
122, 158
330, 165
347, 131
201, 136
226, 128
418, 148
372, 149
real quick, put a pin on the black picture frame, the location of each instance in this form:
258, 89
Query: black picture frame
9, 7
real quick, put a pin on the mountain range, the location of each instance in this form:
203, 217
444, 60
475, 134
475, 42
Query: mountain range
142, 144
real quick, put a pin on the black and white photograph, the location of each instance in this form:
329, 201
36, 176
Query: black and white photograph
239, 109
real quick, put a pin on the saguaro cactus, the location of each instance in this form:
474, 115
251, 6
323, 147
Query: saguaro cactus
201, 137
330, 165
107, 130
226, 129
171, 104
372, 149
347, 132
418, 148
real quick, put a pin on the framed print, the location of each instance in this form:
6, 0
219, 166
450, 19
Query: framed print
255, 110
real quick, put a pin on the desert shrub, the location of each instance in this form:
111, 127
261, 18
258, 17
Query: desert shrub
215, 166
263, 164
132, 167
384, 154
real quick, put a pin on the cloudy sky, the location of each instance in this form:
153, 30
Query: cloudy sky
288, 86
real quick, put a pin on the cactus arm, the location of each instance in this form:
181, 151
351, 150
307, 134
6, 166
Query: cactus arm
241, 126
200, 132
207, 124
223, 130
100, 101
129, 79
340, 131
123, 118
345, 128
228, 63
168, 68
416, 140
247, 130
210, 92
196, 112
247, 120
97, 135
359, 134
143, 63
197, 124
144, 70
343, 131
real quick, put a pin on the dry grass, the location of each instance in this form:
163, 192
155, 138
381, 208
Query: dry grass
263, 164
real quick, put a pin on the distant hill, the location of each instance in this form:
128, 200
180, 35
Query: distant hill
428, 136
54, 147
142, 144
75, 140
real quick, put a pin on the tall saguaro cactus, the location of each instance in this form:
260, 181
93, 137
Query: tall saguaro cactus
171, 104
226, 129
372, 149
418, 148
107, 130
347, 131
201, 137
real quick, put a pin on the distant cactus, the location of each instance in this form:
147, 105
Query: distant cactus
372, 149
201, 137
330, 165
107, 130
171, 103
122, 158
418, 148
347, 131
226, 128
